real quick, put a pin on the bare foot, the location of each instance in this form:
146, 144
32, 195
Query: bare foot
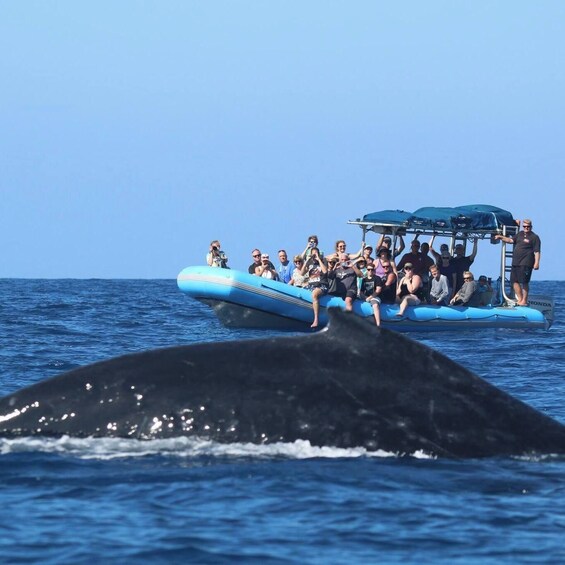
314, 325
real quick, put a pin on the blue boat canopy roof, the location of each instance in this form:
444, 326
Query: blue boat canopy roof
473, 217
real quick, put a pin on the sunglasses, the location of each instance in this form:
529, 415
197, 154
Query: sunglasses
407, 268
386, 267
370, 269
256, 255
527, 226
467, 278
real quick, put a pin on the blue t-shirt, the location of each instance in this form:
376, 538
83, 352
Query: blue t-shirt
285, 272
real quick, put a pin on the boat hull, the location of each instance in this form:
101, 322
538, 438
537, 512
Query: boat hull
243, 300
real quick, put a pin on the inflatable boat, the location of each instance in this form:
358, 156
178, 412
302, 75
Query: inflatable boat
241, 300
248, 301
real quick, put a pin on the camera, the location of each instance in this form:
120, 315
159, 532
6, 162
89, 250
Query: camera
215, 247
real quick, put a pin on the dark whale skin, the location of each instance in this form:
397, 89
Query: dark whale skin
351, 385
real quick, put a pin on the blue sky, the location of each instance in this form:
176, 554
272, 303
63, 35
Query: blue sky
134, 133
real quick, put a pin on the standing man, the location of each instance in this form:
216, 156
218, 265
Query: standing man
413, 258
285, 268
462, 263
525, 257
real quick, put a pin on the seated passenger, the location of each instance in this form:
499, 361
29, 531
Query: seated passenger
256, 254
443, 261
468, 294
285, 267
485, 291
388, 292
298, 279
266, 269
362, 266
216, 257
439, 291
371, 288
346, 273
409, 289
317, 271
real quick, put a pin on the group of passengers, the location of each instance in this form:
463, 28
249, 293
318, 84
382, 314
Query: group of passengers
418, 278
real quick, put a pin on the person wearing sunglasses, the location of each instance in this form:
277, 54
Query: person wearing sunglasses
468, 294
371, 288
312, 243
298, 279
266, 268
256, 254
526, 257
409, 291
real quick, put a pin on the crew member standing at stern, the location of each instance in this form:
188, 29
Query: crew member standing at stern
525, 257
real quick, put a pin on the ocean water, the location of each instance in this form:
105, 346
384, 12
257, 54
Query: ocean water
186, 501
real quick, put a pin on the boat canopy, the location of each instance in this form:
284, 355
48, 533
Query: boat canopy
473, 218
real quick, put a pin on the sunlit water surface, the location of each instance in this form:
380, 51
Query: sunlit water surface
183, 500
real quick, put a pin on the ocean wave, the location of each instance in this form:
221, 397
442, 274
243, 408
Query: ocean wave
182, 447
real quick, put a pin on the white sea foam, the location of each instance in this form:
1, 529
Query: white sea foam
182, 447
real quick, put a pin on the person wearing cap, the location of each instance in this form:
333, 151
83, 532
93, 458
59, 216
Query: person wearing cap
386, 241
383, 256
526, 257
367, 254
462, 263
266, 269
409, 291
